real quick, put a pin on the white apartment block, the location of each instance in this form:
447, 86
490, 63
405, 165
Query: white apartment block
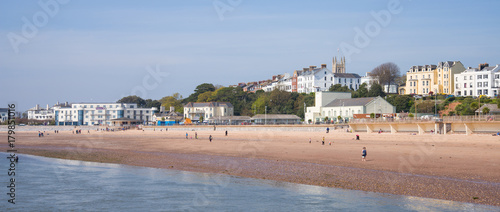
483, 80
41, 114
101, 113
195, 110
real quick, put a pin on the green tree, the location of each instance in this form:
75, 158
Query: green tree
486, 110
261, 103
171, 101
206, 97
376, 90
361, 92
202, 88
403, 103
133, 99
152, 103
339, 88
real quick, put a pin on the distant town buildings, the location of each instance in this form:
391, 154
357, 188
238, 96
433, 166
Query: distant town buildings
167, 118
484, 80
308, 80
101, 113
206, 110
41, 114
437, 79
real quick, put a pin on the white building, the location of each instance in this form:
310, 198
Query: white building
483, 80
100, 113
4, 114
42, 114
333, 104
207, 110
352, 81
314, 79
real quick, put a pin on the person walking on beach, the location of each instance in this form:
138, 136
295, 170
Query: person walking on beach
226, 132
363, 154
323, 142
196, 135
309, 140
187, 135
210, 138
327, 130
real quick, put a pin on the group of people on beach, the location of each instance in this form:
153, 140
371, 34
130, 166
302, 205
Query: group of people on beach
210, 138
363, 151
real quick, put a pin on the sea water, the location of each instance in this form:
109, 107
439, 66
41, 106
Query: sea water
47, 184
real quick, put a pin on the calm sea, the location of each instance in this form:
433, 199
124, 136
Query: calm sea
46, 184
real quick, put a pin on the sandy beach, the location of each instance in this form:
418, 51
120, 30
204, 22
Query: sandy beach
448, 167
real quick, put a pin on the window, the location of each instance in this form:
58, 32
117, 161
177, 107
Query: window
479, 76
485, 84
325, 78
497, 76
470, 92
470, 85
465, 78
485, 76
470, 77
427, 83
479, 92
479, 84
131, 106
423, 82
485, 91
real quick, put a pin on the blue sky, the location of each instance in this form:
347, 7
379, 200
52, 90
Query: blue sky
98, 51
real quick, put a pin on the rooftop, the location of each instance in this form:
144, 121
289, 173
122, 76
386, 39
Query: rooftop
350, 102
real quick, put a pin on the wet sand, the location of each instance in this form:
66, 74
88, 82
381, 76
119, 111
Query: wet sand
449, 167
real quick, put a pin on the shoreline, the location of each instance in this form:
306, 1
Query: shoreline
286, 156
294, 172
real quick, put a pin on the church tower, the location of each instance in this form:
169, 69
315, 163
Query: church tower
338, 66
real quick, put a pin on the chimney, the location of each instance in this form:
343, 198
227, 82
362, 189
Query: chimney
66, 104
323, 65
162, 109
484, 65
305, 69
37, 107
312, 67
172, 108
469, 67
47, 106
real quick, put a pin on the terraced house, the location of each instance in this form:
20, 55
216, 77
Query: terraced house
484, 80
439, 78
